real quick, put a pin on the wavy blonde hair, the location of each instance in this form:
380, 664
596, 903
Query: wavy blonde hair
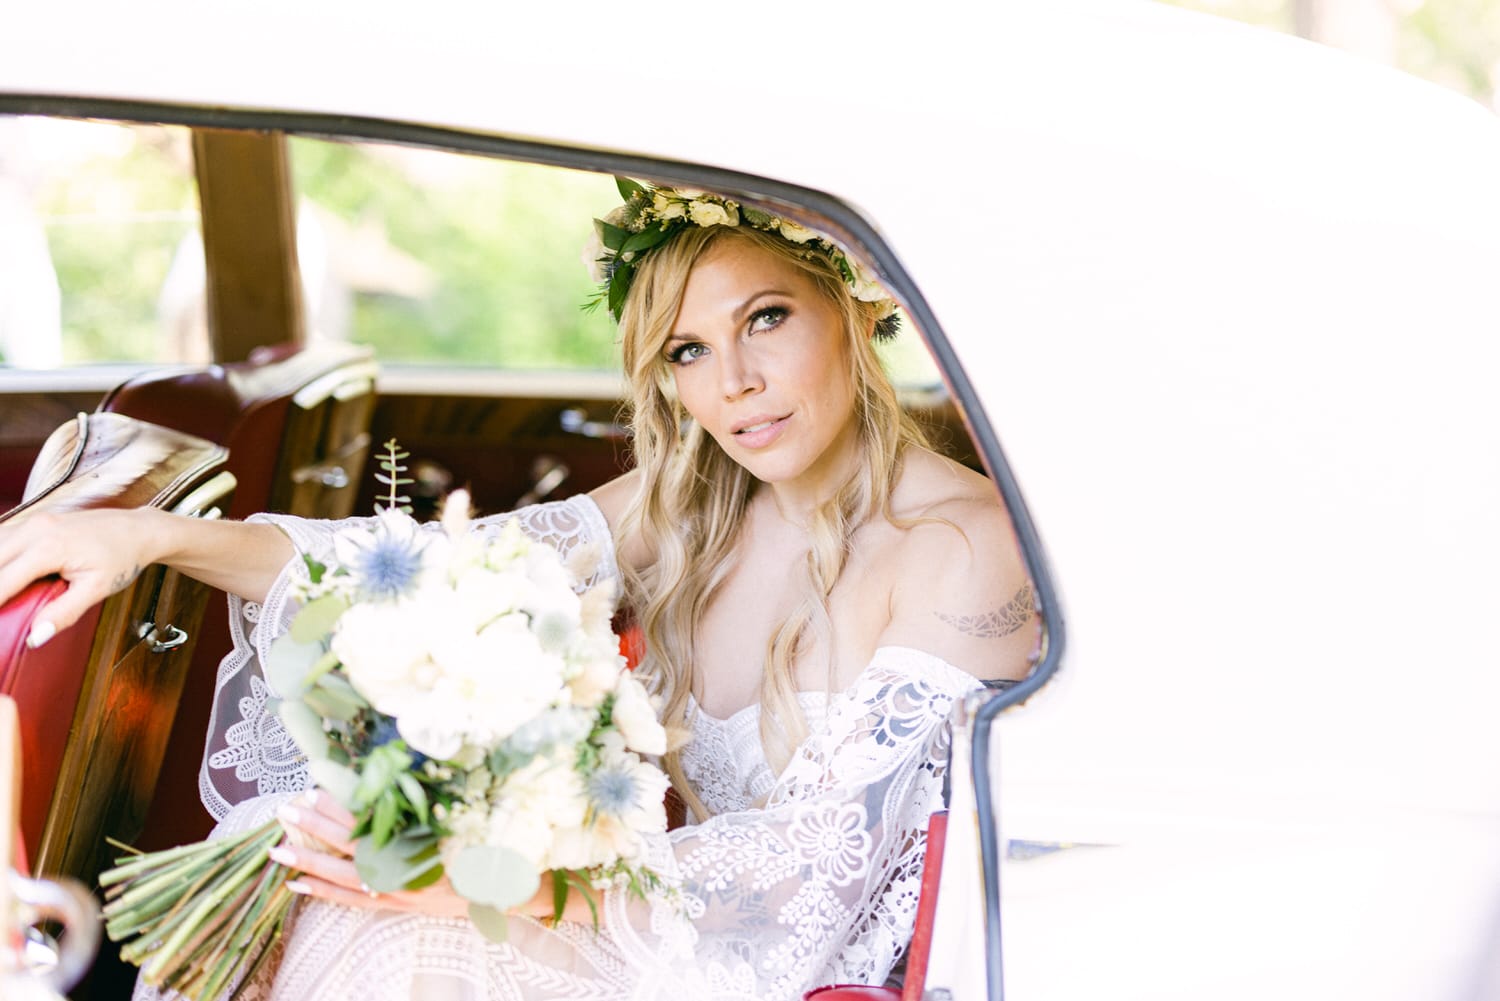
693, 496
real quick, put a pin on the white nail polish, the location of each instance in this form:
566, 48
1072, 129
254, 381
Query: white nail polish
282, 856
290, 814
297, 886
41, 632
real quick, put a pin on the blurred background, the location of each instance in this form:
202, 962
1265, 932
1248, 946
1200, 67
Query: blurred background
404, 249
1455, 43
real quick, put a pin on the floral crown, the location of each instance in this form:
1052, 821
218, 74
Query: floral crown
651, 216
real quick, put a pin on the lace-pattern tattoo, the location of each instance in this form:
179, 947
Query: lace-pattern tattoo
1002, 622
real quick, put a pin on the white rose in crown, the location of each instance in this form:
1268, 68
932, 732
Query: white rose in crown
794, 232
706, 213
668, 208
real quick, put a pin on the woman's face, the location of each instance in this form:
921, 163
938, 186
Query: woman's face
761, 361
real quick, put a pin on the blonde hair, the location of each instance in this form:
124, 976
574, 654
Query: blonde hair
694, 496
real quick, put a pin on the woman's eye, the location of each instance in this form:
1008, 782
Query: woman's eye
765, 319
686, 354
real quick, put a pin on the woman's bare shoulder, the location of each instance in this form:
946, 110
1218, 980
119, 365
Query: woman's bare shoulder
614, 499
960, 589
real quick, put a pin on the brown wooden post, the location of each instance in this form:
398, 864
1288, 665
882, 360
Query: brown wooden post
254, 293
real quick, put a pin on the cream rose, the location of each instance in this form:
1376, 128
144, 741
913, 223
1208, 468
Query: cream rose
705, 213
796, 233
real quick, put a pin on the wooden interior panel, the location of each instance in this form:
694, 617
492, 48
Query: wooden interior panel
496, 446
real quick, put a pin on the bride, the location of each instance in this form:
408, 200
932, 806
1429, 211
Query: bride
814, 586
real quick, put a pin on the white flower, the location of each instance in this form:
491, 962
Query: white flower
635, 718
599, 843
382, 653
864, 286
533, 804
706, 213
667, 208
487, 684
630, 790
796, 233
455, 516
595, 675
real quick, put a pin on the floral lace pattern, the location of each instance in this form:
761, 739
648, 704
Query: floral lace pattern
818, 886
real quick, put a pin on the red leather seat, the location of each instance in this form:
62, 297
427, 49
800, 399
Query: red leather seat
95, 701
296, 422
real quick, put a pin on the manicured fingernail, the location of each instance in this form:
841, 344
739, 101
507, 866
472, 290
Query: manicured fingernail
283, 855
41, 632
289, 813
297, 886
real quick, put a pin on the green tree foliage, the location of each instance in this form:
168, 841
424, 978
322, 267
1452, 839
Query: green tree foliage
501, 241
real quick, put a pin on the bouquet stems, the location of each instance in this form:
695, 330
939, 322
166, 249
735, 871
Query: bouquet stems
194, 918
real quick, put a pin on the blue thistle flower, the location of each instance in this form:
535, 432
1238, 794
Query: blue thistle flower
385, 562
612, 791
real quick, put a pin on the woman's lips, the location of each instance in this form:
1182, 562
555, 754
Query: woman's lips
761, 432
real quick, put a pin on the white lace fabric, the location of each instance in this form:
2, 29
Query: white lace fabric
818, 886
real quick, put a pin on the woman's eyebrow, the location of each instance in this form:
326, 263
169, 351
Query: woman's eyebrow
739, 313
745, 307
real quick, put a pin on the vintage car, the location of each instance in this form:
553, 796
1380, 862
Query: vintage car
1215, 310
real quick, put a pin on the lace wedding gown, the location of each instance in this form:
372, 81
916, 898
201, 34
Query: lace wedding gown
819, 886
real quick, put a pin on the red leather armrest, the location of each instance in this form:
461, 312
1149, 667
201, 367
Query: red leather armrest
921, 936
852, 992
45, 684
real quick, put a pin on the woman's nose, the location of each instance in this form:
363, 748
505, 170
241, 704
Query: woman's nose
740, 374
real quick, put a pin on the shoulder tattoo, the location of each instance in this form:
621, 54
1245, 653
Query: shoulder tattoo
1005, 620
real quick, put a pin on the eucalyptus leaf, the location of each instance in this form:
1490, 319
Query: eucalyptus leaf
317, 617
327, 706
386, 868
491, 922
494, 875
334, 779
290, 663
424, 872
306, 730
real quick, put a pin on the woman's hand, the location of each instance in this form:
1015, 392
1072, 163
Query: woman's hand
96, 552
318, 844
100, 552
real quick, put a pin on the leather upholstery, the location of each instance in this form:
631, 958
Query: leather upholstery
80, 730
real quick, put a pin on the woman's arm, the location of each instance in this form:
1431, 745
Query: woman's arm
100, 552
960, 592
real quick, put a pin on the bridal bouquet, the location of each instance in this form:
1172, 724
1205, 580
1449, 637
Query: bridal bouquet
468, 707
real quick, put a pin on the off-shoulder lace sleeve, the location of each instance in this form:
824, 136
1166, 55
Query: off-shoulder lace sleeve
821, 885
247, 752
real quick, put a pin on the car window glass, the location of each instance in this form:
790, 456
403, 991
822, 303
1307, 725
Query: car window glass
93, 219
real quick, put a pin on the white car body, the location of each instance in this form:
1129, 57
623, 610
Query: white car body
1228, 301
